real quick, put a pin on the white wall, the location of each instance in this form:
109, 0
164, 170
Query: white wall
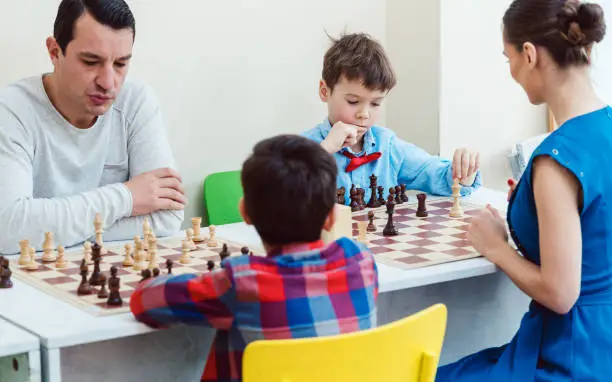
481, 105
602, 58
228, 73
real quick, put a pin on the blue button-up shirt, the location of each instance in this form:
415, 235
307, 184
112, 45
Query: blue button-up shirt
401, 163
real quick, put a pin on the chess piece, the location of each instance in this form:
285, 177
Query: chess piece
210, 265
87, 253
421, 211
98, 223
403, 193
169, 265
84, 287
244, 251
373, 203
152, 244
139, 256
5, 274
354, 199
212, 238
362, 203
48, 255
146, 274
127, 260
390, 229
361, 229
95, 278
114, 297
152, 258
185, 259
102, 293
224, 252
341, 194
61, 261
32, 264
391, 193
398, 195
456, 211
371, 227
195, 226
156, 272
24, 256
190, 242
251, 253
381, 199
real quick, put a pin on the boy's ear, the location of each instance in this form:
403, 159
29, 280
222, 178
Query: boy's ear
243, 213
324, 91
330, 220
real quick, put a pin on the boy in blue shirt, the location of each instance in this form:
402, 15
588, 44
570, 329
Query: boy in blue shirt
357, 75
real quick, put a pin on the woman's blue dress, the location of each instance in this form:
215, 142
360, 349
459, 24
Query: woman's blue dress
576, 346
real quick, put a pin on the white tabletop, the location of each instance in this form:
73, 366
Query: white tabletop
60, 324
14, 340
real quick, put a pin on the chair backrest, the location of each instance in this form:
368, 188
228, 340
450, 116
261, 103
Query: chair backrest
522, 154
407, 350
222, 191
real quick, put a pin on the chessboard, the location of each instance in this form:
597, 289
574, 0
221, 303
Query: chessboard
64, 282
420, 241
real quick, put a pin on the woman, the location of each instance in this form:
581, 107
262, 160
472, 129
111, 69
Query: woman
560, 214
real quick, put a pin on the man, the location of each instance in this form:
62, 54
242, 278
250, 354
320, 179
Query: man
82, 140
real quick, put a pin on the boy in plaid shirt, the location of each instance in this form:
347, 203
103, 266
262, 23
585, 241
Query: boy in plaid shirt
301, 289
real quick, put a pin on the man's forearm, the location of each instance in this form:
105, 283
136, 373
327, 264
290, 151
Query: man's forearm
163, 223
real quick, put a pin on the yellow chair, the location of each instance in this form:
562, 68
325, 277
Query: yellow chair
407, 350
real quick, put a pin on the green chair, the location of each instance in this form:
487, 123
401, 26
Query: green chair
222, 191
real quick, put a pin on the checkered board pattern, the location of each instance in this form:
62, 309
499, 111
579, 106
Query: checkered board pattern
421, 242
63, 283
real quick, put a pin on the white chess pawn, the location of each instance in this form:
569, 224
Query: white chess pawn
138, 259
127, 261
61, 262
87, 253
24, 256
48, 253
212, 239
185, 259
189, 233
153, 258
32, 264
195, 225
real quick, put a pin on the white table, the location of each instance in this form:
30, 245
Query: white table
80, 346
19, 354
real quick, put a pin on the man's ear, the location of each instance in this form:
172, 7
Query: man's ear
54, 50
242, 210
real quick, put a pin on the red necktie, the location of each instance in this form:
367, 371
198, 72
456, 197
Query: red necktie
358, 161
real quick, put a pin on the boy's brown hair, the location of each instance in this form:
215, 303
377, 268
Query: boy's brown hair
358, 57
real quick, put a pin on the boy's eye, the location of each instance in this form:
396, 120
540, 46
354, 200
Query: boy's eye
353, 102
375, 104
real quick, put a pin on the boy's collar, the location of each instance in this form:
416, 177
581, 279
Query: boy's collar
368, 137
296, 248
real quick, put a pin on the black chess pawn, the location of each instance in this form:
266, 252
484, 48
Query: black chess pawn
114, 297
244, 251
421, 208
84, 287
398, 195
354, 199
371, 227
362, 203
210, 265
156, 272
103, 293
169, 265
145, 274
5, 274
390, 229
381, 199
403, 193
225, 253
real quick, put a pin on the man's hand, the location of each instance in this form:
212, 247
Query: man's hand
156, 190
342, 135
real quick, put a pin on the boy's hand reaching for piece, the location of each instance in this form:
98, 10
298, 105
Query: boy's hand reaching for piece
465, 164
342, 135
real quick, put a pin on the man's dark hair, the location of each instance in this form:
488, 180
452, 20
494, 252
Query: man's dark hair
289, 187
358, 57
115, 14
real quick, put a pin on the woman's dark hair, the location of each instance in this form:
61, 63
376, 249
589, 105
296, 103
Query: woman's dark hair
566, 28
